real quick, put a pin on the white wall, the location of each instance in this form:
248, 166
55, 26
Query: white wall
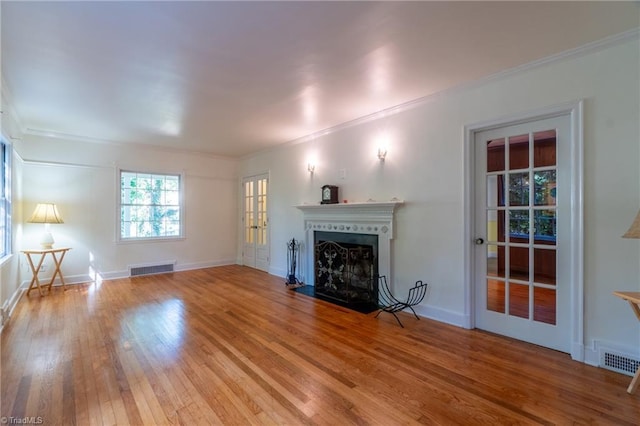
81, 178
424, 167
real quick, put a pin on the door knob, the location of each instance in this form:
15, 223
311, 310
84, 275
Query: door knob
479, 241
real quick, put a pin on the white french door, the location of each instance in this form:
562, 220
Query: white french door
523, 230
255, 222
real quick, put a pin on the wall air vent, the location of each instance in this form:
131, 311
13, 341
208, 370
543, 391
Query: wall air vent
618, 362
136, 271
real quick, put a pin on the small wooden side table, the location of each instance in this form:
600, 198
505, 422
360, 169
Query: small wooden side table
633, 297
35, 267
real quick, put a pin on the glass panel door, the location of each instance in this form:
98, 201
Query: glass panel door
255, 252
518, 207
521, 254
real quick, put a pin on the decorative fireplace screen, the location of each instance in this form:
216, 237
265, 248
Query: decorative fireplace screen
345, 271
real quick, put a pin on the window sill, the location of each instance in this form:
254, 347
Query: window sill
150, 240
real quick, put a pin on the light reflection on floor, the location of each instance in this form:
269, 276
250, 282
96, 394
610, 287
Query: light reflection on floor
156, 328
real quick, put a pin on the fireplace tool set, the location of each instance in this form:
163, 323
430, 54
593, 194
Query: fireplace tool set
293, 256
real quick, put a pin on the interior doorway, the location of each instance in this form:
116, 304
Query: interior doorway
524, 229
255, 222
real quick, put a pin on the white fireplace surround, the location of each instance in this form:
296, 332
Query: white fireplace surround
373, 218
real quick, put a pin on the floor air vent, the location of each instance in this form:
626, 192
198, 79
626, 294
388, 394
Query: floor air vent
618, 362
150, 270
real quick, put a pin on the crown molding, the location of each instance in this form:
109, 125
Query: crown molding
137, 145
586, 49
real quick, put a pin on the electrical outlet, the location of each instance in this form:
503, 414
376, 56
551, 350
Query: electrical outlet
44, 268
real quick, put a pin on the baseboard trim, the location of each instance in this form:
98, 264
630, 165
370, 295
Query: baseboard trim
204, 265
592, 354
114, 275
9, 306
441, 315
578, 352
278, 272
68, 280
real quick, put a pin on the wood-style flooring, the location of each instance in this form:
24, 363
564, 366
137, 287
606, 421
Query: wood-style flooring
233, 346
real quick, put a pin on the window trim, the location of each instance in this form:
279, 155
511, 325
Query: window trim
6, 154
119, 239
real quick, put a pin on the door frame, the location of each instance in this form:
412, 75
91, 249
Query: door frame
574, 110
241, 212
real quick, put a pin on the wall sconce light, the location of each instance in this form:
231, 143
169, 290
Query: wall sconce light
382, 154
311, 167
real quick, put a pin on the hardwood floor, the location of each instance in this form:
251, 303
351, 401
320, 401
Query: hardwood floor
232, 345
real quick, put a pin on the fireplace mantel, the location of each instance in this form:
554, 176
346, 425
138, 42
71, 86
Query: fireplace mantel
366, 218
370, 207
374, 218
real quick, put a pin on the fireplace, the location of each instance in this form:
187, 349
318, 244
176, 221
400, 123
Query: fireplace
345, 266
356, 237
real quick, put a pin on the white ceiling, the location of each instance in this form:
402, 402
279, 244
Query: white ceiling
231, 78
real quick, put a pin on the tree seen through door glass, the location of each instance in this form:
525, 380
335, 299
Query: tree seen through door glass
519, 189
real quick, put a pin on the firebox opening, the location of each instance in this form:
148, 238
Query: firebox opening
344, 267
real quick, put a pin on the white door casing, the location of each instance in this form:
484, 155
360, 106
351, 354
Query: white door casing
255, 222
567, 333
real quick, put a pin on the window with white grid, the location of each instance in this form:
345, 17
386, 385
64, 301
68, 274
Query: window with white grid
150, 206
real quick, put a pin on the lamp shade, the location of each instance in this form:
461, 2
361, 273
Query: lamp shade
634, 230
46, 213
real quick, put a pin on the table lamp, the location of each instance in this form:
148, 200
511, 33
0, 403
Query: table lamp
46, 213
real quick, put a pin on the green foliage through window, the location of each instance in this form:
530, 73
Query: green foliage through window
544, 195
149, 205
